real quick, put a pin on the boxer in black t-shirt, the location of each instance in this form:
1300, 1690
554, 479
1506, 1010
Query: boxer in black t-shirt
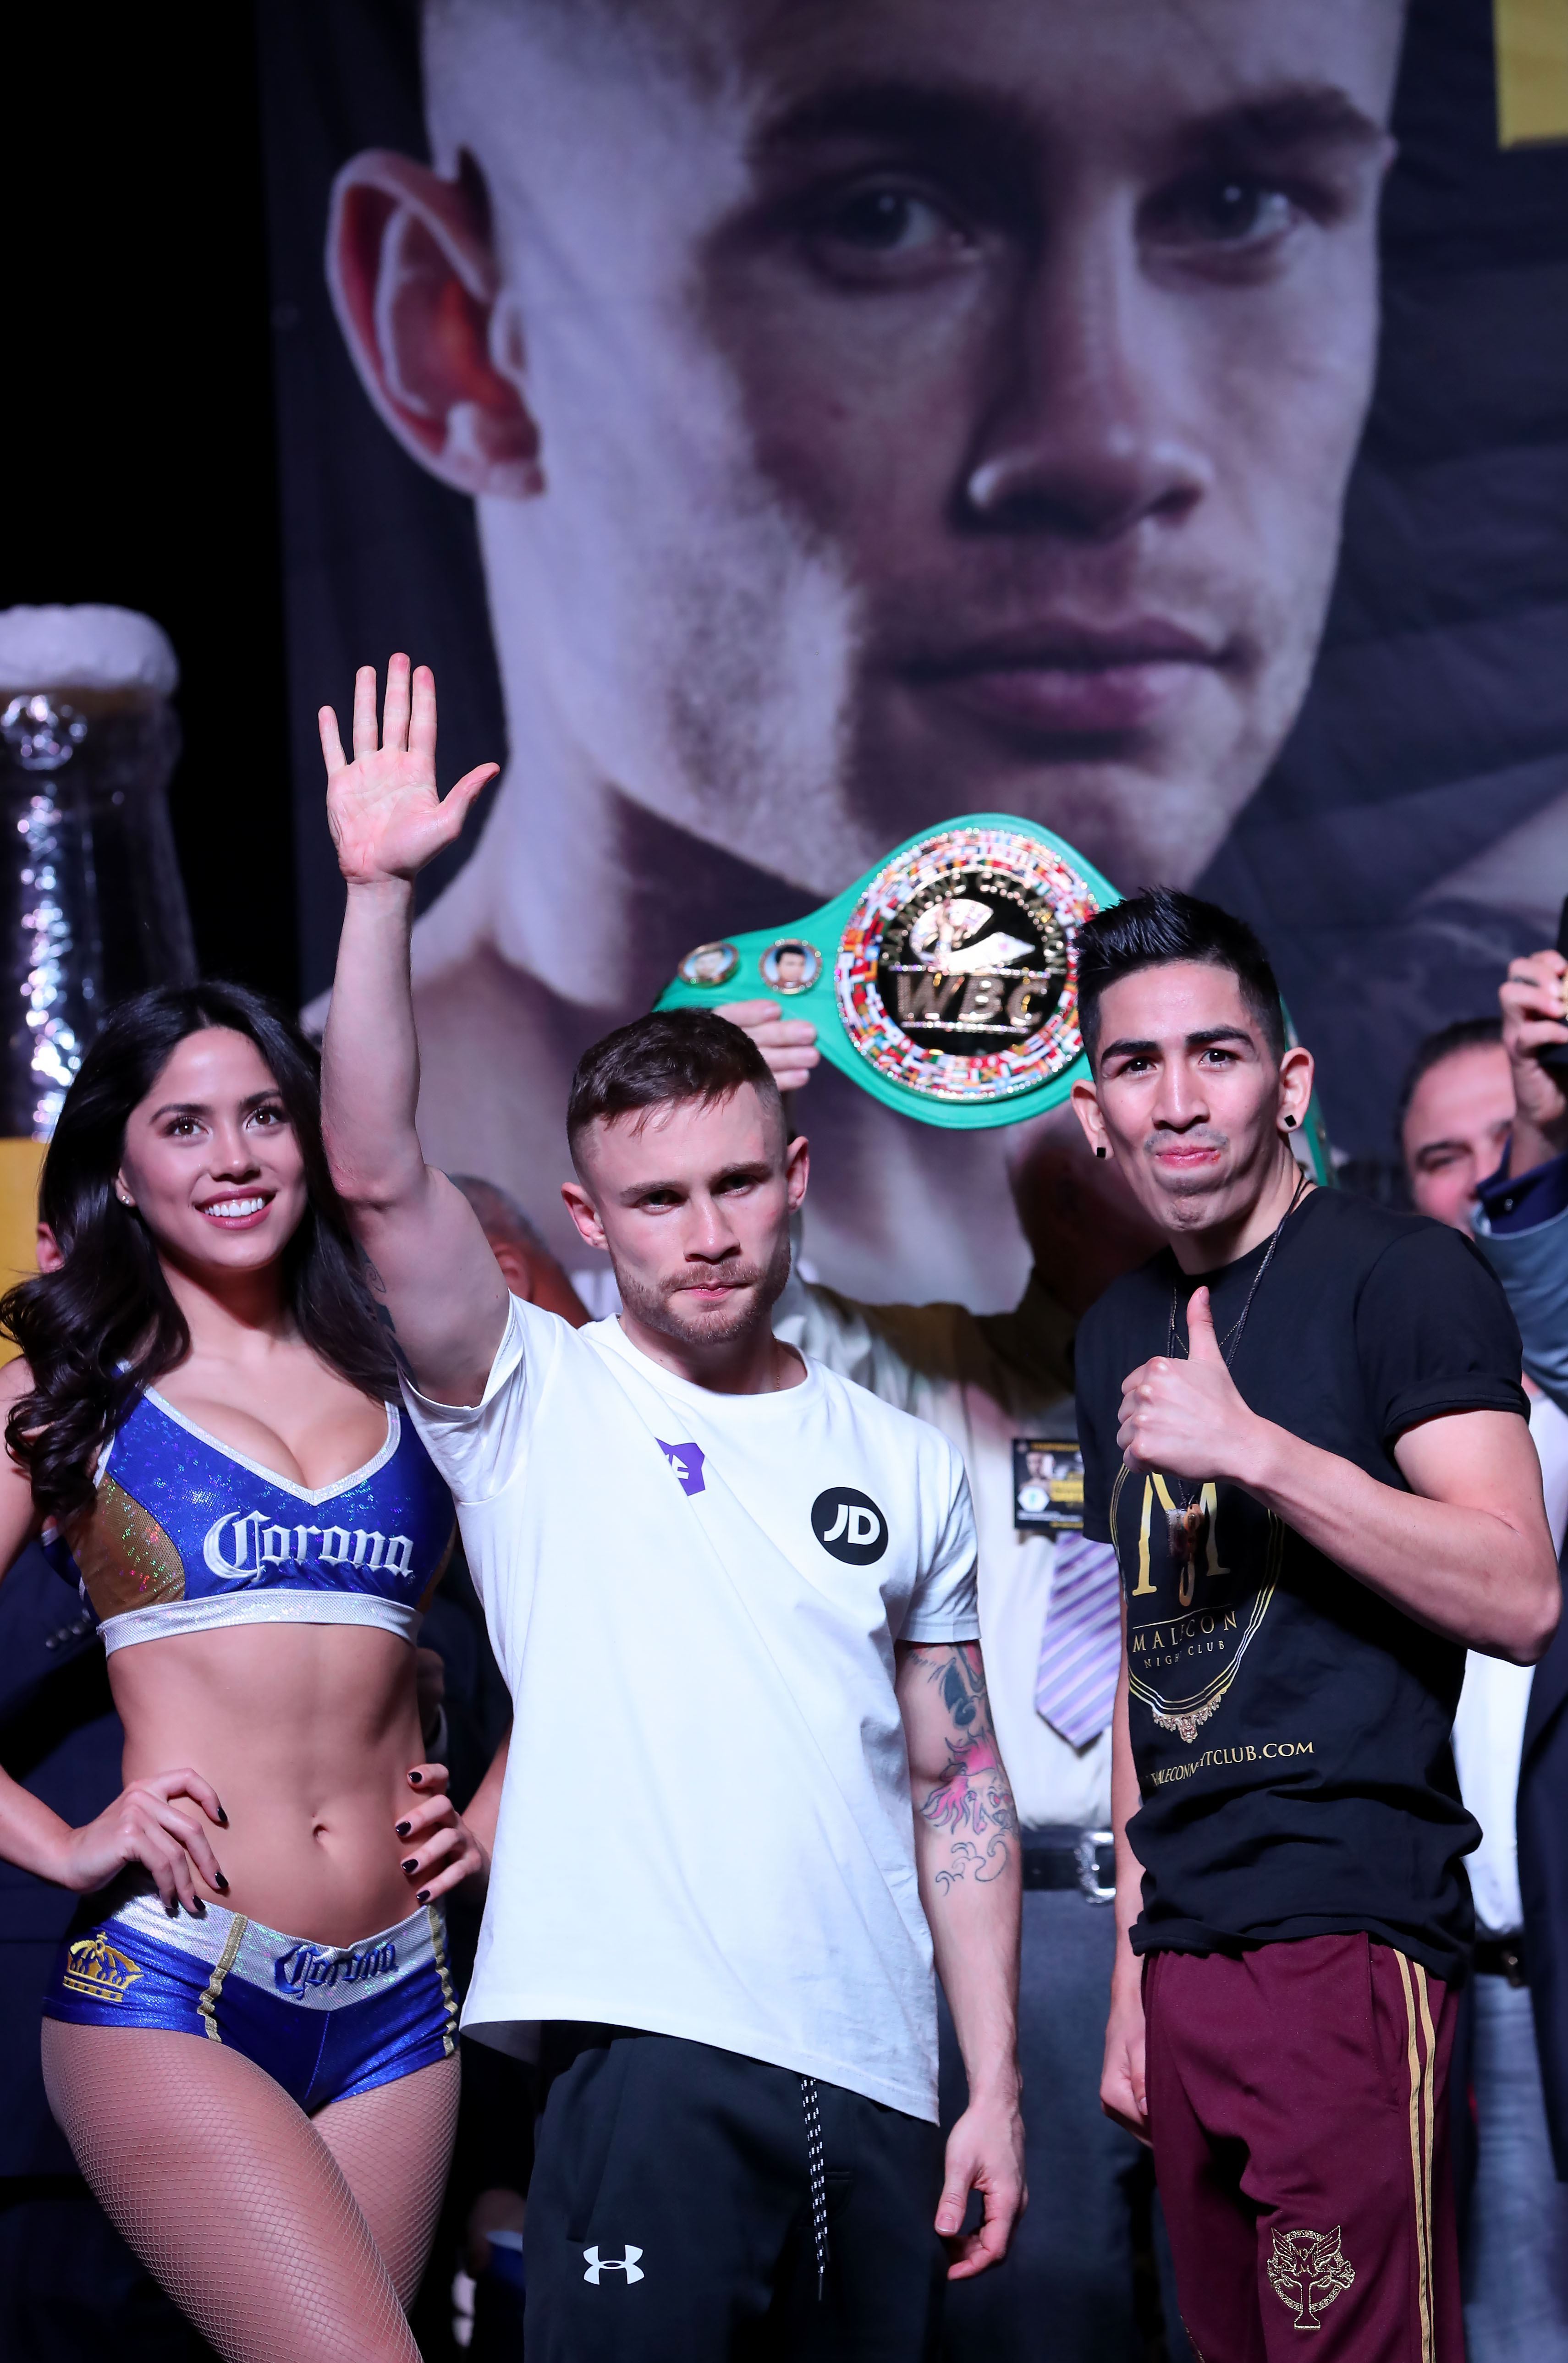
1303, 1432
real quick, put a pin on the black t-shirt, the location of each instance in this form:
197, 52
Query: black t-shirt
1289, 1726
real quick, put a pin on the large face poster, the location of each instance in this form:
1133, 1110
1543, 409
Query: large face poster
788, 424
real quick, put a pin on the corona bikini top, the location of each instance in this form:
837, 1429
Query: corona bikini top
185, 1534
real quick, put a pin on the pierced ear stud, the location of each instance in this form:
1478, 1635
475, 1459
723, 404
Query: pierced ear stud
1290, 1123
1102, 1151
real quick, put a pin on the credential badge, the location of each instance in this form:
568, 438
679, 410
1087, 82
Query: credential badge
1048, 1485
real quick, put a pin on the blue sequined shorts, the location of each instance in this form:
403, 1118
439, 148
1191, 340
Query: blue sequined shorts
323, 2021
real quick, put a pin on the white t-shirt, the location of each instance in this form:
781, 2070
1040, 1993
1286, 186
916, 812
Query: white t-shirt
1489, 1728
705, 1828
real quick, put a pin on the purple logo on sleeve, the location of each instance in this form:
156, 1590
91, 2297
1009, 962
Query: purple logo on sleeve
687, 1460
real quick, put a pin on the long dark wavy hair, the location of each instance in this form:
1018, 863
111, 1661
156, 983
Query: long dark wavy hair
105, 1325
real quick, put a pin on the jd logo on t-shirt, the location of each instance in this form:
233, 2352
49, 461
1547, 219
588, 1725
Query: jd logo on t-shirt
849, 1525
687, 1460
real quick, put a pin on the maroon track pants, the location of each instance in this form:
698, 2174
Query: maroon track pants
1297, 2106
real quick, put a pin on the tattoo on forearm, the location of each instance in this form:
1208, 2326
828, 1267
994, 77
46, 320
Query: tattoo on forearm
972, 1803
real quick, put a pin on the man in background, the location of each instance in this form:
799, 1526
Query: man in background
526, 1265
873, 413
1454, 1112
1001, 1387
1511, 1737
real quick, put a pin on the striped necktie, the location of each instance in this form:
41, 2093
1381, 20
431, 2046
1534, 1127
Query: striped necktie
1075, 1687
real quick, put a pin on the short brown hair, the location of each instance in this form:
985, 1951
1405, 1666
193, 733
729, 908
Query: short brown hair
675, 1054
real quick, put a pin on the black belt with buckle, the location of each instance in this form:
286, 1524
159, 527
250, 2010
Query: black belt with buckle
1496, 1956
1060, 1860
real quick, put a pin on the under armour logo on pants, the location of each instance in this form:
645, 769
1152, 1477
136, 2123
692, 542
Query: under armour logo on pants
626, 2265
1075, 1687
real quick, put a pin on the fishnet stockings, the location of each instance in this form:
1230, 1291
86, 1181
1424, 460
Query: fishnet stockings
285, 2239
393, 2146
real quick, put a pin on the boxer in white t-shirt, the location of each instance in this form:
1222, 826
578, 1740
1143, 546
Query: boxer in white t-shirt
755, 1784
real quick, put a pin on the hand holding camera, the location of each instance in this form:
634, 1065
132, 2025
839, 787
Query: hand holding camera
1535, 1035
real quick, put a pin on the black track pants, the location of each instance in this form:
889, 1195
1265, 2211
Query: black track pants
669, 2216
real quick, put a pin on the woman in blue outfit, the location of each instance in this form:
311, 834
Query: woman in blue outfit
249, 2037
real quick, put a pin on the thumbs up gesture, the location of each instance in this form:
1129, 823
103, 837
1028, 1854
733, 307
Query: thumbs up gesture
1203, 1345
1187, 1418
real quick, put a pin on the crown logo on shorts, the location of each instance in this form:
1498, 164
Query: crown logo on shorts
95, 1967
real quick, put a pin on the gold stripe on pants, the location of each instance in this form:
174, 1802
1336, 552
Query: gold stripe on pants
1419, 2036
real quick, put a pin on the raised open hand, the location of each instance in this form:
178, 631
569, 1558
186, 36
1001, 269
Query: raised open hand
388, 816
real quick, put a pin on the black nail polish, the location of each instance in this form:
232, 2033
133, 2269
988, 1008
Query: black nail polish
198, 1909
416, 1780
404, 1828
222, 1819
412, 1863
423, 1896
221, 1884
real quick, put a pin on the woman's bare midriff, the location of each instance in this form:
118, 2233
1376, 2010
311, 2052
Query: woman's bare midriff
307, 1731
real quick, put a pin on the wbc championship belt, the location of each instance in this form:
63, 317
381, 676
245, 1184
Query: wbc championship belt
944, 982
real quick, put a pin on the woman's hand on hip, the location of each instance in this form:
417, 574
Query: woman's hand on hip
145, 1824
440, 1850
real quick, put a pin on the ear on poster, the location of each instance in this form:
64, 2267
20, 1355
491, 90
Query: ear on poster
439, 349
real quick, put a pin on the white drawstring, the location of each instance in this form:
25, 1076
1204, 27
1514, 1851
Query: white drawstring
818, 2173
